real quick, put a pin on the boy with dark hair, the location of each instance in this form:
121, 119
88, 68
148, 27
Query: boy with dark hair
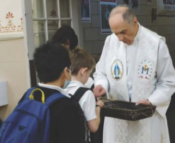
67, 37
82, 65
52, 64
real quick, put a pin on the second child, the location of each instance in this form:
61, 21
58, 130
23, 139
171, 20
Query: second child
82, 65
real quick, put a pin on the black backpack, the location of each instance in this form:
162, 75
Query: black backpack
79, 93
94, 137
76, 97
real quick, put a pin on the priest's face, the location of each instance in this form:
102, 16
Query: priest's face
124, 30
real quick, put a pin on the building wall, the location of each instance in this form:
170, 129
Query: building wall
94, 40
13, 69
13, 54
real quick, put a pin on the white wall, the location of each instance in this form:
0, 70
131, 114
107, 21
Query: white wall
13, 69
13, 54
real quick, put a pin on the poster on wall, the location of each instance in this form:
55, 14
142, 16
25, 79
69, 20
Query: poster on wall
166, 7
85, 11
105, 8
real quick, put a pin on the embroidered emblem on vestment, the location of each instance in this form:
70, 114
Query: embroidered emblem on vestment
145, 69
117, 69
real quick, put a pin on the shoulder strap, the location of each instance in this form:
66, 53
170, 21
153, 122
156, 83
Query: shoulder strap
53, 98
92, 87
79, 93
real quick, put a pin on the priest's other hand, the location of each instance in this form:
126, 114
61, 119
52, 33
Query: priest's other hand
99, 91
145, 102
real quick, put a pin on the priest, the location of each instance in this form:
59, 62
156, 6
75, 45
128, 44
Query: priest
145, 75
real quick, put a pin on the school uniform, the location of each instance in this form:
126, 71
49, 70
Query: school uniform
87, 101
64, 127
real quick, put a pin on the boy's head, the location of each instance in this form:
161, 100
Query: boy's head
52, 62
66, 36
82, 64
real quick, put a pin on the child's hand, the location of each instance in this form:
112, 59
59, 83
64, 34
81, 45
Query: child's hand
100, 103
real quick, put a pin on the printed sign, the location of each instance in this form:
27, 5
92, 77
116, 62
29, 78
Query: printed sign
166, 7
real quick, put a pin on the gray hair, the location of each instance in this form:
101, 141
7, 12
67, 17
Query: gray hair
126, 12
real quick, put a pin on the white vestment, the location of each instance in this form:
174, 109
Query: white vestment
140, 71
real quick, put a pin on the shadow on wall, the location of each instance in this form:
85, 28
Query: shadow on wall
96, 58
0, 123
171, 118
3, 110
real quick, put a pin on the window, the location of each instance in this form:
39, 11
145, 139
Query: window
48, 16
42, 18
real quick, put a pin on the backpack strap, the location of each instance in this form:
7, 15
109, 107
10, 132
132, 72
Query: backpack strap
79, 93
53, 98
92, 87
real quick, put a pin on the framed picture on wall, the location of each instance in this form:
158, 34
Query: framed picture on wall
85, 11
105, 8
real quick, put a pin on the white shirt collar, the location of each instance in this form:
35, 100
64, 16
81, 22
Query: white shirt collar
76, 83
55, 88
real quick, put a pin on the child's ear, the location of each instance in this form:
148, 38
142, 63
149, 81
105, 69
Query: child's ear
66, 73
83, 71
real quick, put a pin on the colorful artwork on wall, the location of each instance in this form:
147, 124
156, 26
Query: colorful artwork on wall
10, 27
11, 22
85, 11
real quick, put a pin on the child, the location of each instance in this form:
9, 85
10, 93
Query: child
82, 65
52, 64
67, 37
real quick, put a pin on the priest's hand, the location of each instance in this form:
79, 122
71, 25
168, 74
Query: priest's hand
145, 102
99, 91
